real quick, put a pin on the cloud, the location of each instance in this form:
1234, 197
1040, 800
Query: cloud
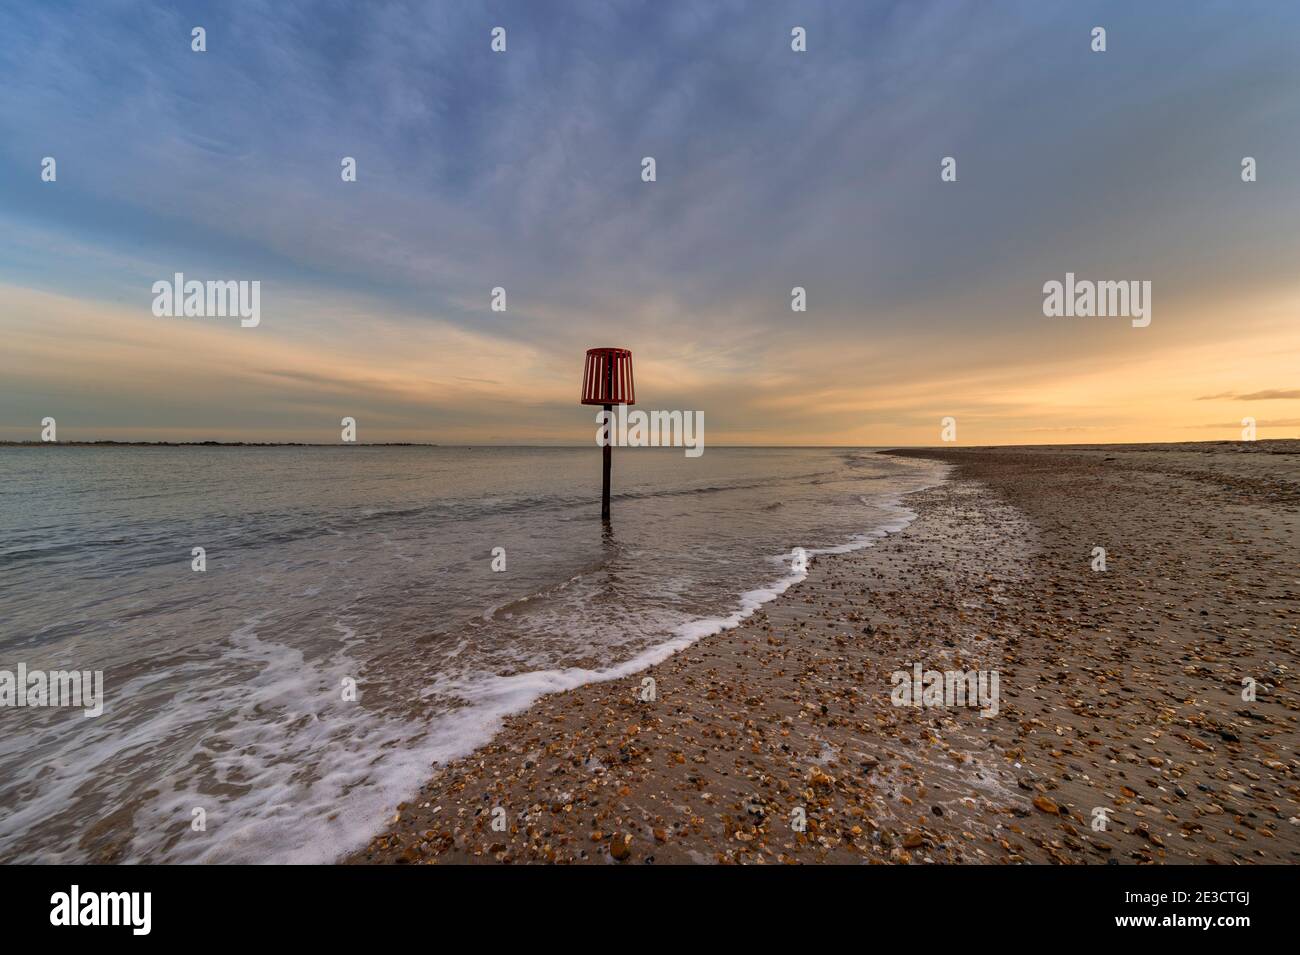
522, 169
1271, 394
1236, 425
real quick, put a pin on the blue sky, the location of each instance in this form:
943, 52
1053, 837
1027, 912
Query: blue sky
521, 170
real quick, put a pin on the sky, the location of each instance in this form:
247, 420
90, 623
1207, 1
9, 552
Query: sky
774, 169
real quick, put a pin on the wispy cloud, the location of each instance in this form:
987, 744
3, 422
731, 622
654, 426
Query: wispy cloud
1230, 426
1270, 394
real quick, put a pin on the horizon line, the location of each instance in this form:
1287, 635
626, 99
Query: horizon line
432, 444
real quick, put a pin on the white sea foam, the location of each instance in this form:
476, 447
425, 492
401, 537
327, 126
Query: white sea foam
494, 698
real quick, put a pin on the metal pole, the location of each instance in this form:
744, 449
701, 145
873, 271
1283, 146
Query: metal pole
609, 458
609, 444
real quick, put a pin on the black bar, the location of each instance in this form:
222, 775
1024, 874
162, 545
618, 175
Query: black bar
336, 904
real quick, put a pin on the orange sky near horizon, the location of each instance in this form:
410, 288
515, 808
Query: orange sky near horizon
1184, 378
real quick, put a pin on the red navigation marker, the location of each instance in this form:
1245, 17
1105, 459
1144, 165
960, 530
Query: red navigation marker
607, 380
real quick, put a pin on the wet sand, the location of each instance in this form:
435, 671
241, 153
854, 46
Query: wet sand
1119, 690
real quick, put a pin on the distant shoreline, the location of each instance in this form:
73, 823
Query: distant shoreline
1284, 445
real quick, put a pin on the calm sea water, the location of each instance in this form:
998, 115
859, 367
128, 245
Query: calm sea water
225, 689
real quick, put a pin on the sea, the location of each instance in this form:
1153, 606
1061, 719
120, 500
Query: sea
359, 615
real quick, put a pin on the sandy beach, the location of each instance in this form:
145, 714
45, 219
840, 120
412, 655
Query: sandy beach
1120, 692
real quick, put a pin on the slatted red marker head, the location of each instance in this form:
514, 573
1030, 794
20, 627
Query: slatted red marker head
607, 377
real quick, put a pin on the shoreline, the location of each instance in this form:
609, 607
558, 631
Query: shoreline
1101, 706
